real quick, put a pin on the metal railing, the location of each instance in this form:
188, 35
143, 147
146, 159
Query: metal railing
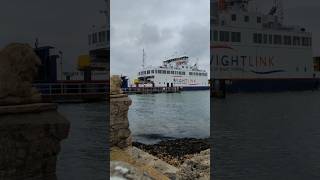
147, 90
81, 88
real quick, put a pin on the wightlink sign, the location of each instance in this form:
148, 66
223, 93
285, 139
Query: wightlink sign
225, 63
243, 61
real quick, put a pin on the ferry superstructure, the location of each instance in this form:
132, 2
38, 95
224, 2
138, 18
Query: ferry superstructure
253, 51
175, 72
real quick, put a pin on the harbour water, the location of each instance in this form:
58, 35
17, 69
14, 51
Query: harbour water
267, 136
84, 153
155, 117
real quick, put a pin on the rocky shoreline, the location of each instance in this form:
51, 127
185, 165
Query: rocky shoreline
177, 151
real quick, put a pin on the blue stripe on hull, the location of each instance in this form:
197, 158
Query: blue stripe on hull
195, 88
272, 85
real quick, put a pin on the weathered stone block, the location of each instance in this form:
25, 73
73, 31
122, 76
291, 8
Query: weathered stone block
30, 138
120, 134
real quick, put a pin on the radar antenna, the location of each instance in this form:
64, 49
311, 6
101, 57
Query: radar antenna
277, 10
106, 10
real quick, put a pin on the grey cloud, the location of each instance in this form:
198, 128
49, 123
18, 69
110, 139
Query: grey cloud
159, 27
149, 34
194, 44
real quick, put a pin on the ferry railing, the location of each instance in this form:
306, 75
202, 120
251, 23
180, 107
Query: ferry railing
71, 88
149, 90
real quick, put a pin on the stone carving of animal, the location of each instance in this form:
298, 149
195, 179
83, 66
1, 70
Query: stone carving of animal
18, 67
115, 85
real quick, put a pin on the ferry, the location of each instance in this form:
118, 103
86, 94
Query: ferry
175, 72
255, 51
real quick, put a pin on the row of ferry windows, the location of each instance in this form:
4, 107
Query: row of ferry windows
259, 38
246, 18
279, 39
100, 37
171, 72
224, 36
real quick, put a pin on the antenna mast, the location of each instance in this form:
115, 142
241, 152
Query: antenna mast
277, 10
143, 58
279, 5
106, 11
143, 67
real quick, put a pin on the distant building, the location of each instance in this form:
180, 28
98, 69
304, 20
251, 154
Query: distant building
47, 72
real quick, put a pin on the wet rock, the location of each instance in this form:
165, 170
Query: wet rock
197, 167
123, 171
175, 151
18, 64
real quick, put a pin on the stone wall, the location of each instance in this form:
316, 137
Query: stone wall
120, 134
30, 138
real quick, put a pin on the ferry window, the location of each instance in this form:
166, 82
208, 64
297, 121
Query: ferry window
265, 38
148, 72
172, 72
224, 36
233, 17
190, 73
164, 72
258, 19
144, 72
168, 72
246, 18
270, 39
259, 38
215, 35
296, 41
94, 39
235, 36
277, 39
304, 41
152, 71
287, 40
255, 38
183, 73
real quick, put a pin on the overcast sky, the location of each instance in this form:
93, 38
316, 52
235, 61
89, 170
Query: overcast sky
64, 24
163, 28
